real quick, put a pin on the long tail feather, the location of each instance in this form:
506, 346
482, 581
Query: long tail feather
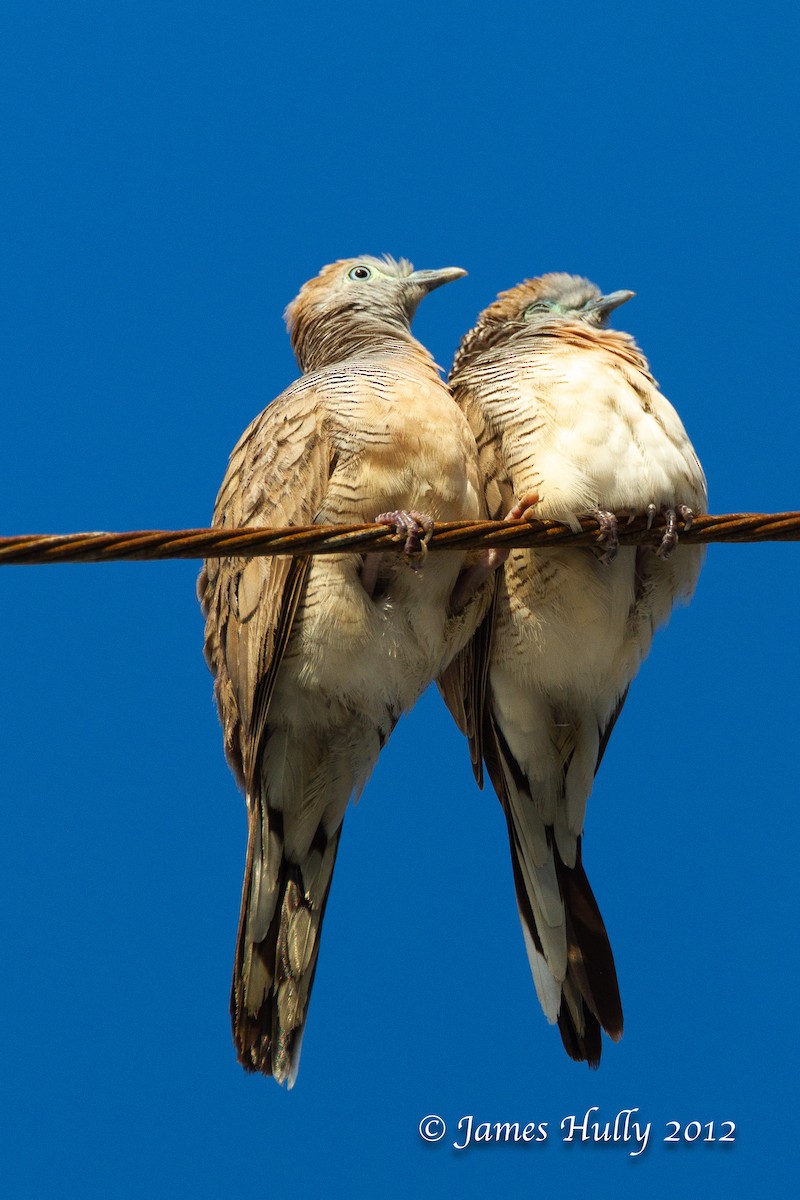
283, 905
583, 996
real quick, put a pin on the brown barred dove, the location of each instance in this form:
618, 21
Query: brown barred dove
316, 658
566, 408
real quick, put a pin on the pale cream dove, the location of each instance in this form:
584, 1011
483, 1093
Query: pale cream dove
566, 408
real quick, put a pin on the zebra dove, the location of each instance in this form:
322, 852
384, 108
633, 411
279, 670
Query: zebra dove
316, 658
566, 408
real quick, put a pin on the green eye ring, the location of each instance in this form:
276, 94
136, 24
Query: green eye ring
360, 272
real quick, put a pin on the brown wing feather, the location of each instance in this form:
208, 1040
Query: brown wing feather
277, 476
463, 684
605, 734
290, 598
463, 687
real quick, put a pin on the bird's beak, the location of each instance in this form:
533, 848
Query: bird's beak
428, 280
605, 305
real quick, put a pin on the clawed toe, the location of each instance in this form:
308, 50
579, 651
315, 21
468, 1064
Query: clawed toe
686, 515
609, 535
523, 507
416, 527
669, 539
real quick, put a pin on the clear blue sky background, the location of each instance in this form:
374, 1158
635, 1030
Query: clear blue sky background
172, 174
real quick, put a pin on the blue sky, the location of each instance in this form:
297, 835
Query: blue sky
173, 173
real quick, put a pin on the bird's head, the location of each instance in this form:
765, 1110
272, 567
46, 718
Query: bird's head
358, 301
526, 308
569, 296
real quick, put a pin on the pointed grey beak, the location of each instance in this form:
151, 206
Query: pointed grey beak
605, 305
428, 280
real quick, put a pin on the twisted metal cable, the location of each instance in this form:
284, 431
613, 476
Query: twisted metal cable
250, 542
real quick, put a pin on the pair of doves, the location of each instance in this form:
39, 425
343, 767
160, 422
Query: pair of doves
547, 413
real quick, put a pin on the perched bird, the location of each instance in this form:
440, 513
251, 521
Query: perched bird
316, 658
566, 408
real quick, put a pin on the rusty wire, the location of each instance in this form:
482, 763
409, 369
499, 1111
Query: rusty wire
250, 542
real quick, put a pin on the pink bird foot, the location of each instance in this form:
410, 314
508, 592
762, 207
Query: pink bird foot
670, 538
415, 526
608, 546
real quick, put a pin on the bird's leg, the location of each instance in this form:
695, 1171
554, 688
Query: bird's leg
670, 538
608, 546
415, 527
488, 561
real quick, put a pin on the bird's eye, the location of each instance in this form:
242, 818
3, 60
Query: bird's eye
360, 273
534, 309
